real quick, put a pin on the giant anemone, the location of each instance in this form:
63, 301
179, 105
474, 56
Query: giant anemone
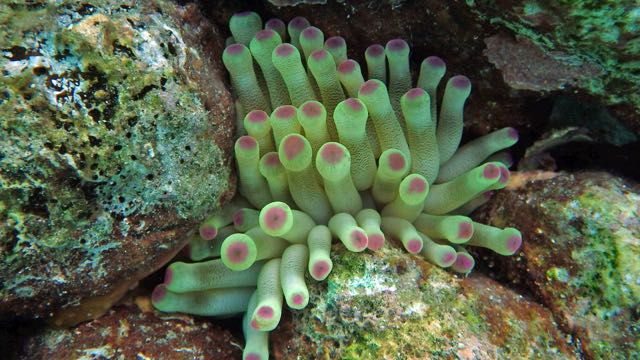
325, 155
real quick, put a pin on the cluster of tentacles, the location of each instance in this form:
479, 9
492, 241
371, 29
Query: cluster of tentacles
328, 155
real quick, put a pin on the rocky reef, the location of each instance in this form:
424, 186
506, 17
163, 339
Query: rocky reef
118, 122
115, 137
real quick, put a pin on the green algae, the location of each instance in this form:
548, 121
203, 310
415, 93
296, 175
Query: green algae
100, 127
584, 31
388, 305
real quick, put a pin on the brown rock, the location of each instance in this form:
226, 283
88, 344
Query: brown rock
127, 332
580, 254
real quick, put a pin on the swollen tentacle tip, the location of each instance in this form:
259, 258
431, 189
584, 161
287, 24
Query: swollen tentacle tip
460, 82
257, 116
247, 142
491, 171
354, 104
369, 87
376, 242
208, 231
276, 218
312, 109
434, 62
513, 243
465, 231
168, 276
335, 42
359, 240
512, 133
415, 93
265, 312
299, 23
464, 263
299, 299
235, 49
332, 153
417, 185
158, 293
397, 46
275, 24
397, 162
375, 51
285, 112
347, 67
265, 34
285, 50
293, 146
321, 269
414, 246
448, 258
319, 55
311, 33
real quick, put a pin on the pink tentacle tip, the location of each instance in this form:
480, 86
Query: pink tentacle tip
414, 246
369, 87
465, 230
448, 259
285, 50
247, 142
168, 276
354, 104
376, 242
375, 50
417, 186
257, 116
460, 82
275, 218
298, 299
272, 159
347, 66
335, 42
237, 252
435, 62
463, 261
238, 218
208, 232
252, 356
359, 239
513, 133
396, 162
320, 269
299, 22
285, 112
414, 93
504, 175
312, 109
311, 33
158, 293
243, 13
332, 153
265, 34
491, 171
265, 312
274, 23
293, 146
235, 49
513, 243
397, 45
319, 55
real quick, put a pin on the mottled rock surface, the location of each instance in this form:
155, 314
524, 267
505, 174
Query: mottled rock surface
389, 305
580, 254
115, 139
126, 332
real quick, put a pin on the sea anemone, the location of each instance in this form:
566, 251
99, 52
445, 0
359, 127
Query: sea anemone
328, 155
